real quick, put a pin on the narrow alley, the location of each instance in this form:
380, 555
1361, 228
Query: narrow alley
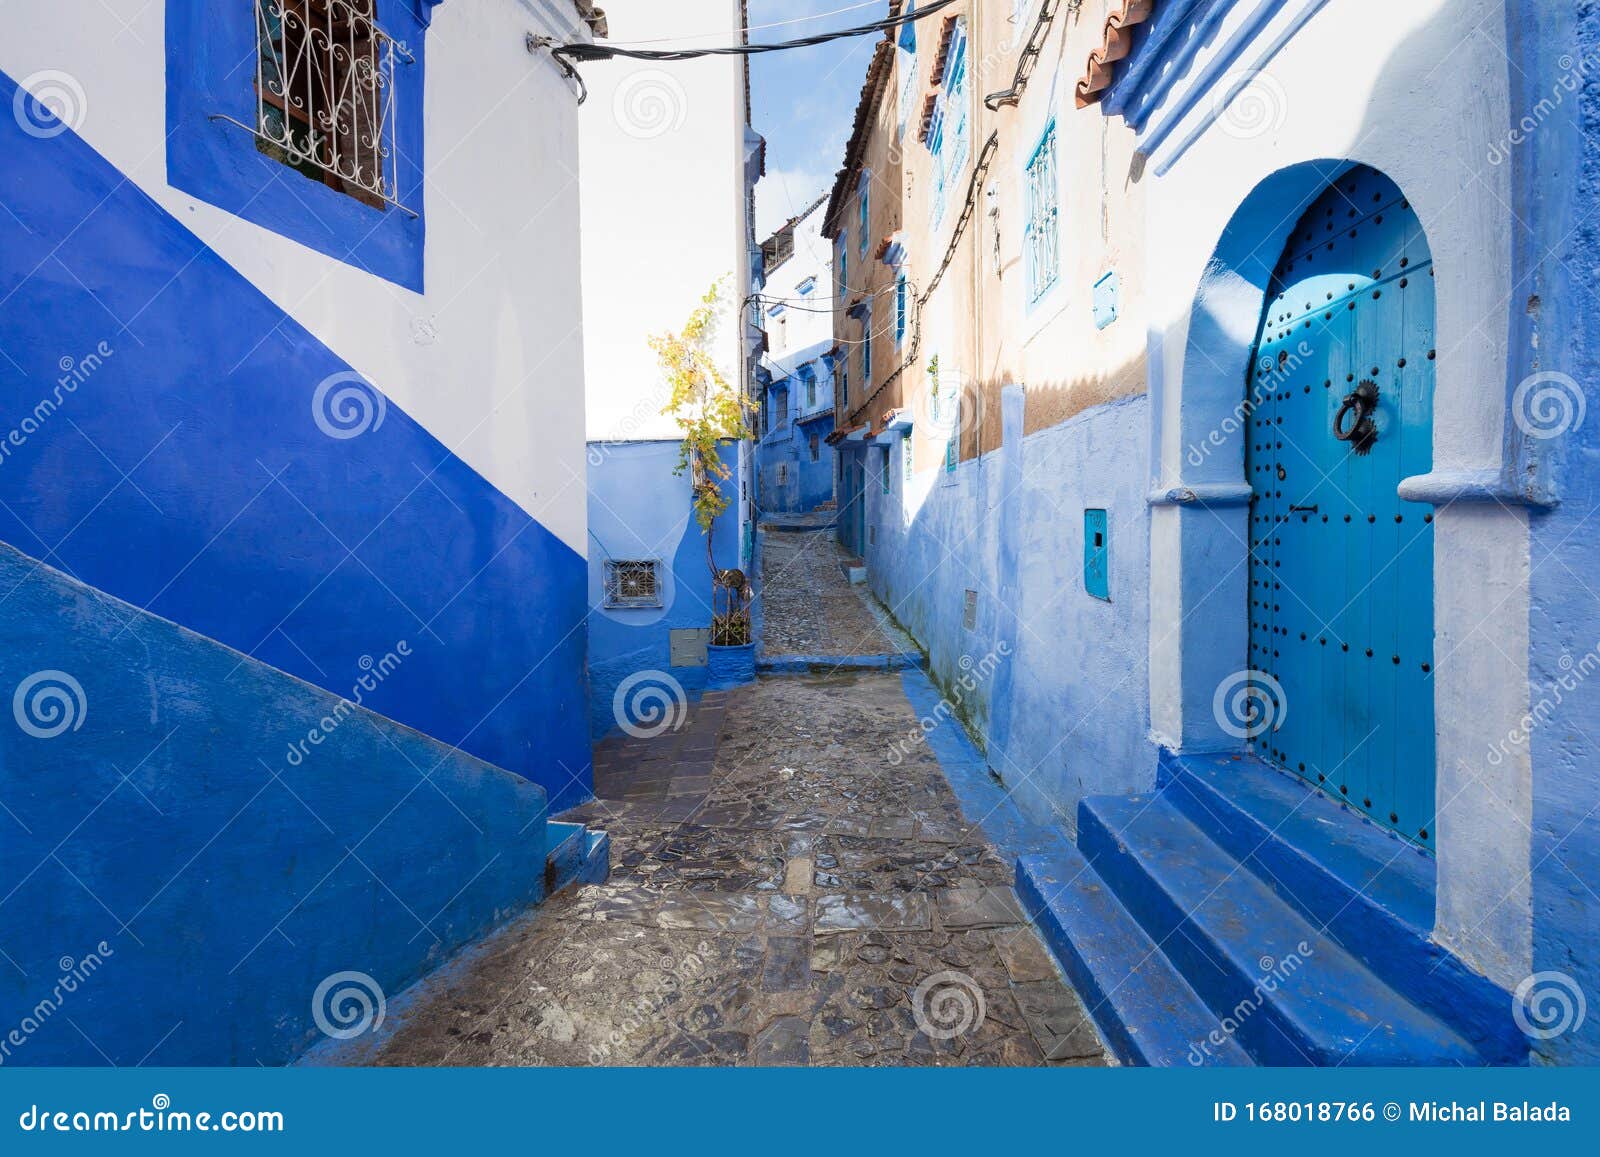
794, 882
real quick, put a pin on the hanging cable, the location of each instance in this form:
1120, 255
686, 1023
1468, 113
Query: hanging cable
583, 51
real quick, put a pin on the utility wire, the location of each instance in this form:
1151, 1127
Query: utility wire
759, 27
582, 51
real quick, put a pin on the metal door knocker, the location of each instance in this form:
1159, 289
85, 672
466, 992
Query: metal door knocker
1362, 402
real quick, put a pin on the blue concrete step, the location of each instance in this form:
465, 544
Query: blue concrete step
1144, 1008
1293, 995
574, 855
596, 858
1366, 888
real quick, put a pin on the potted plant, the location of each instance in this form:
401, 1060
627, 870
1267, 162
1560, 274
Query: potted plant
711, 412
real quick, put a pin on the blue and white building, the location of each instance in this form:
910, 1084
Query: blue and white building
292, 511
1251, 406
794, 458
648, 260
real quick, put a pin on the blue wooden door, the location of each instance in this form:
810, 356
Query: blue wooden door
1341, 570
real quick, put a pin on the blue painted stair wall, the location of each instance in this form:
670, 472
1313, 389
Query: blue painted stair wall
195, 841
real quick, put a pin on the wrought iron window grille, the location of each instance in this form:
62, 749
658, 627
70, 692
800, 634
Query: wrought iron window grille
326, 78
633, 583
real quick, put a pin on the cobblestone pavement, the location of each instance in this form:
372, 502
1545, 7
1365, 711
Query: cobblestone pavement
810, 607
780, 894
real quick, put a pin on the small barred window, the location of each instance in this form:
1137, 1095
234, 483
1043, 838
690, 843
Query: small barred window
634, 583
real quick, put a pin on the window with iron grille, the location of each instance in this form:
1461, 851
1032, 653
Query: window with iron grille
816, 448
633, 583
948, 136
1041, 241
899, 309
326, 75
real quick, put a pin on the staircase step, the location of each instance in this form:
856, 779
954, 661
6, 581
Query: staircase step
1144, 1009
1369, 890
596, 858
564, 844
1295, 996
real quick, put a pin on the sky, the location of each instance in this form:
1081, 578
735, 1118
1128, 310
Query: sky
803, 100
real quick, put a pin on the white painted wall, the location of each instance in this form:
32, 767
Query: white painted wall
807, 322
490, 358
1409, 89
663, 204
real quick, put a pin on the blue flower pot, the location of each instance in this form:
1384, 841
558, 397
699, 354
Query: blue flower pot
730, 666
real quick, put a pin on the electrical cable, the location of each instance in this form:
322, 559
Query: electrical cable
585, 51
760, 27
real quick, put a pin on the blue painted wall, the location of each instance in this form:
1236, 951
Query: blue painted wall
805, 484
211, 57
132, 347
1556, 184
160, 830
638, 510
1055, 680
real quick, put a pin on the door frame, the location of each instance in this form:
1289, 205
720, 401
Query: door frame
1199, 530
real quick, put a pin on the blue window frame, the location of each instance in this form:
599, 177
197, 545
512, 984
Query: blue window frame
906, 61
809, 377
884, 469
864, 210
806, 287
843, 264
214, 120
866, 349
899, 308
1042, 237
948, 135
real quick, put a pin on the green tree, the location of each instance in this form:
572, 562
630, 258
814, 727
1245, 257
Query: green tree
711, 411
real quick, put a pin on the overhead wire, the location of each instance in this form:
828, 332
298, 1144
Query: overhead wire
589, 50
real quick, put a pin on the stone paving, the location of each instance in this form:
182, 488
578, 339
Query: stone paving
785, 907
781, 894
809, 607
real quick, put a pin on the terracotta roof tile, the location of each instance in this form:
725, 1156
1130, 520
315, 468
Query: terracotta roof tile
1116, 41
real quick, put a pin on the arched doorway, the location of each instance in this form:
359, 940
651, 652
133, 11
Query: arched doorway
1340, 409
